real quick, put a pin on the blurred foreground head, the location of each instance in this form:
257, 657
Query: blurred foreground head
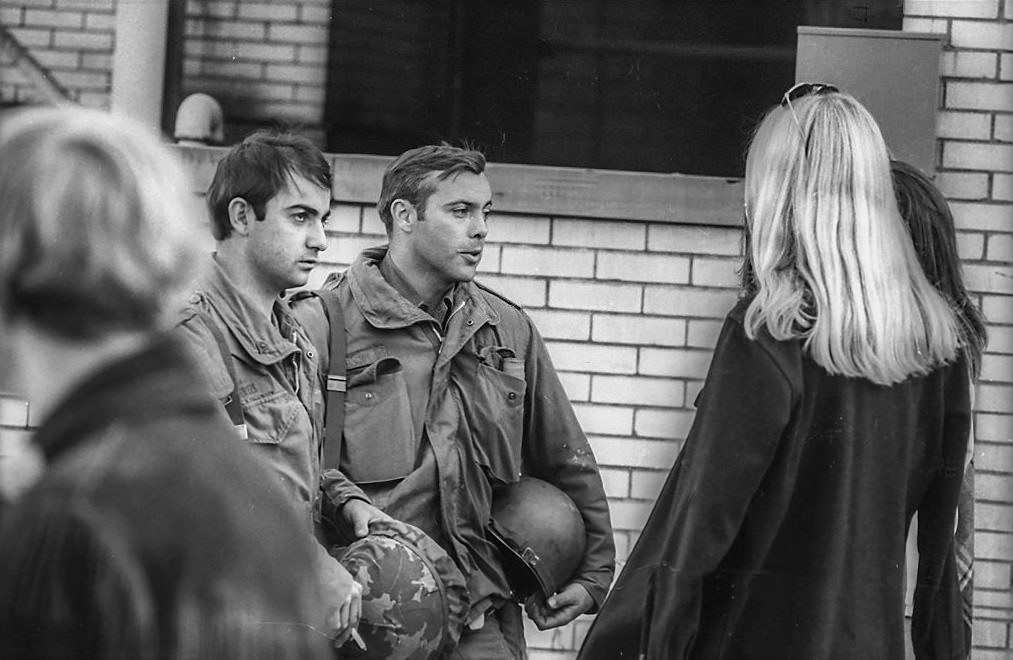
95, 230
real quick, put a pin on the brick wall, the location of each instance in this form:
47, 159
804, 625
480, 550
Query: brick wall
975, 171
629, 301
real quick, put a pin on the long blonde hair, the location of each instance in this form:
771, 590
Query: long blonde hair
831, 260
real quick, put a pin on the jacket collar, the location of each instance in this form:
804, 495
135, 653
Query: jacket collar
385, 308
157, 381
258, 336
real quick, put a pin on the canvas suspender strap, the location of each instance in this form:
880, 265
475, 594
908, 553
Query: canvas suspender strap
334, 418
233, 404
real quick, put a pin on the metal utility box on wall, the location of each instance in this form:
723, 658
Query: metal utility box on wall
893, 74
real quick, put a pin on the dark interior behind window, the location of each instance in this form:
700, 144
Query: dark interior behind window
647, 85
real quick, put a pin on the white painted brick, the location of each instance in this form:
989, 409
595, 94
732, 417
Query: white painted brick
642, 267
345, 218
931, 25
993, 278
663, 424
311, 94
1000, 340
213, 8
593, 296
83, 40
263, 51
509, 228
57, 59
703, 333
599, 233
298, 33
952, 8
982, 217
314, 14
89, 5
716, 272
1003, 129
593, 358
963, 185
998, 368
970, 246
616, 482
548, 262
344, 249
577, 386
1006, 62
981, 35
646, 485
42, 4
268, 11
993, 634
991, 574
607, 420
694, 240
994, 398
637, 391
85, 79
990, 487
978, 156
629, 514
492, 258
955, 125
33, 37
97, 61
97, 21
309, 54
554, 324
235, 71
296, 73
994, 457
525, 291
12, 17
53, 19
638, 329
992, 545
242, 30
1000, 247
997, 309
994, 517
674, 363
682, 301
992, 96
968, 64
93, 99
372, 224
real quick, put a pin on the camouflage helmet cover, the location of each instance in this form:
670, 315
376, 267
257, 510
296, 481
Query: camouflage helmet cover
414, 598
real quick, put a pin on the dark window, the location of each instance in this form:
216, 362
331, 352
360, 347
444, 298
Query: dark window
649, 85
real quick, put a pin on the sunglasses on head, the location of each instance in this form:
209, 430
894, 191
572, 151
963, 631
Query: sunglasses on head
801, 90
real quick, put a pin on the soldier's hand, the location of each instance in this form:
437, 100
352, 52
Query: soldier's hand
344, 598
359, 513
559, 609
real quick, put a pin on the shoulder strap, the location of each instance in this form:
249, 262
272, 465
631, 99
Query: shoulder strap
334, 417
233, 404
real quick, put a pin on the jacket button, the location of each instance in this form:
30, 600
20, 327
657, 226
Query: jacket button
309, 354
471, 321
261, 346
512, 396
368, 395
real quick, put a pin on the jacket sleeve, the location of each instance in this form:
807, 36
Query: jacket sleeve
936, 624
742, 412
309, 312
556, 450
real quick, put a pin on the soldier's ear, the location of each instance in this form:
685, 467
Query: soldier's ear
240, 215
404, 213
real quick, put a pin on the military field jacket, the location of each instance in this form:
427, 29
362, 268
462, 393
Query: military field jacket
435, 416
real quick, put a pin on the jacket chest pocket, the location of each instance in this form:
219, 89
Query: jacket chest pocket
495, 402
379, 438
269, 416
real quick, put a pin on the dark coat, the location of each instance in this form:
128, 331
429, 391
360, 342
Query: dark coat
780, 530
154, 529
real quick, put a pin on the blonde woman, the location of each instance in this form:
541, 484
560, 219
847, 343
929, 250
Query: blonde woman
836, 406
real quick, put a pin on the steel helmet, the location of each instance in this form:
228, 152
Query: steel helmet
414, 598
541, 534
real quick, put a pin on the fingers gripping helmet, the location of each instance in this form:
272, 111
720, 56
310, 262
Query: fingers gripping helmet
541, 534
414, 598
